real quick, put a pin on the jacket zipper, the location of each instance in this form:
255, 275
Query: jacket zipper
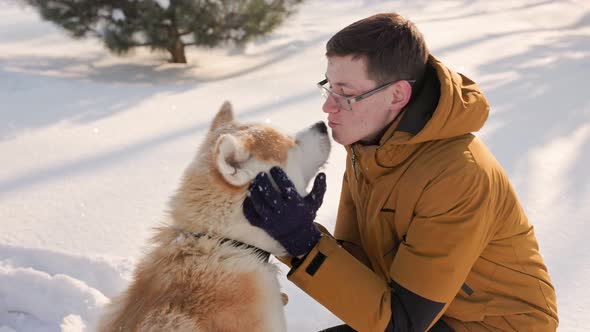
353, 161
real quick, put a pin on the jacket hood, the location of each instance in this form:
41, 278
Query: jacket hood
444, 104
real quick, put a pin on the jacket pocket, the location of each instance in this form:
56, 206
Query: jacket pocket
391, 237
471, 301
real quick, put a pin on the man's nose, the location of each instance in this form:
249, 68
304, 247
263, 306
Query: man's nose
330, 105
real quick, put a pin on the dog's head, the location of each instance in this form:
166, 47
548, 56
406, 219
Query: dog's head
215, 185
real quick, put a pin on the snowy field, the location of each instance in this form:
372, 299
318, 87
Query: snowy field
92, 145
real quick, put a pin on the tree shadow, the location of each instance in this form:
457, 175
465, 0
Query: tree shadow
479, 13
273, 55
37, 91
547, 101
582, 22
130, 151
540, 100
543, 102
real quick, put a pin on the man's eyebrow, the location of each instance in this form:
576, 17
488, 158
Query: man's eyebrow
341, 84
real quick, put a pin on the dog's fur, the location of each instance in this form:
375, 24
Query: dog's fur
203, 283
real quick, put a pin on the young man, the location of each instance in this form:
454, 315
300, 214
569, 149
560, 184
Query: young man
429, 232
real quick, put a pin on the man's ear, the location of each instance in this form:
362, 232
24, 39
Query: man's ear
402, 92
230, 158
224, 116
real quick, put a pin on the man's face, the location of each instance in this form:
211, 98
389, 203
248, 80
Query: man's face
348, 76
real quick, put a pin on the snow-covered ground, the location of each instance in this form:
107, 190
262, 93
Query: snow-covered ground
92, 145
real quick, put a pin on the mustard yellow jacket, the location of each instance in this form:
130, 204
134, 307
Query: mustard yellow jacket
431, 209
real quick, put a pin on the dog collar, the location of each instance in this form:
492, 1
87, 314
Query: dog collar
263, 254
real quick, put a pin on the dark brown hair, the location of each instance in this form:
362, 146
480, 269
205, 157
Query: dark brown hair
392, 46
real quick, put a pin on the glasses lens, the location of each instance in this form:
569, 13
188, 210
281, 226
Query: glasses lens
340, 101
325, 93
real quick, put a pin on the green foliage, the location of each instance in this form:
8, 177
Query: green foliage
166, 25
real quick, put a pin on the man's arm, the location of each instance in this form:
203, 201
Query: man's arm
355, 294
442, 243
449, 231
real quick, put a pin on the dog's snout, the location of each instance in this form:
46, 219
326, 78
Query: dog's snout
320, 127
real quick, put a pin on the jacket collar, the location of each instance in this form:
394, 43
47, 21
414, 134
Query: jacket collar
376, 159
445, 104
422, 105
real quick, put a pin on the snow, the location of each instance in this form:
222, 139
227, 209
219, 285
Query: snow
237, 34
93, 145
65, 299
164, 4
118, 14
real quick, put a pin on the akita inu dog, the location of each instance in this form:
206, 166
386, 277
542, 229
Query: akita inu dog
208, 268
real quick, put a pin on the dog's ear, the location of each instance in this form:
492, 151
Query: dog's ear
224, 116
230, 157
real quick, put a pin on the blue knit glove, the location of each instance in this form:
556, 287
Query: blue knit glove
285, 215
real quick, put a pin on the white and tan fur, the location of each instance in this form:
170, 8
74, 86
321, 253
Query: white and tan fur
189, 283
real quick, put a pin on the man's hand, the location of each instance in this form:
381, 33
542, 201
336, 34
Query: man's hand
285, 215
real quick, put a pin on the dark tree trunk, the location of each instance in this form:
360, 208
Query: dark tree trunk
177, 52
176, 49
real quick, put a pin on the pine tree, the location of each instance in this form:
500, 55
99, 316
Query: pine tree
169, 25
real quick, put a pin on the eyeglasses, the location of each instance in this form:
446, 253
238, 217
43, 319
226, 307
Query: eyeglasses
345, 102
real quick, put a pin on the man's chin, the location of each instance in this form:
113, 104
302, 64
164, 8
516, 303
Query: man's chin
341, 140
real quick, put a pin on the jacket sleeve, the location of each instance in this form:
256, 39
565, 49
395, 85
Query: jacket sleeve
447, 234
346, 230
355, 294
345, 286
335, 268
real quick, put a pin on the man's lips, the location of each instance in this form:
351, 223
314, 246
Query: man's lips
332, 123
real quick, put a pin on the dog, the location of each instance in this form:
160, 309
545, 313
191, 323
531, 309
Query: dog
207, 269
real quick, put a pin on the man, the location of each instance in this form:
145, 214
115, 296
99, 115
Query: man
429, 232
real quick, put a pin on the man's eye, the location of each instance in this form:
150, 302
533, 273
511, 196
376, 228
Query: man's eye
341, 92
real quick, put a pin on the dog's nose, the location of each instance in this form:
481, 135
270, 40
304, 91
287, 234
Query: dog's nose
320, 127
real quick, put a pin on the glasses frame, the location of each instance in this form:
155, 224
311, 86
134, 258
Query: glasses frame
351, 100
